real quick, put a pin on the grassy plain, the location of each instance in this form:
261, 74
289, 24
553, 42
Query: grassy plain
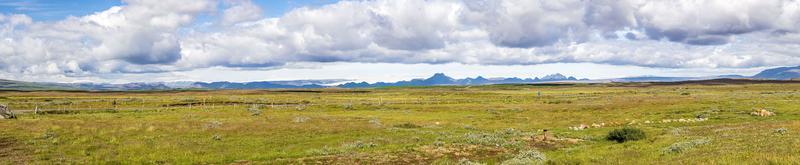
410, 125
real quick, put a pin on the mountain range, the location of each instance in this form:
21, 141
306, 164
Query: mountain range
442, 79
782, 73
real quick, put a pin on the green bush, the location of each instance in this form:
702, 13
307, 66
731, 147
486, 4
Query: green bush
684, 146
626, 134
407, 125
526, 157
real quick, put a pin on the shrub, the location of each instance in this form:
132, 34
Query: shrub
626, 134
407, 125
376, 122
684, 146
359, 145
255, 110
465, 161
438, 143
348, 106
781, 131
213, 124
469, 127
526, 157
301, 119
499, 138
217, 137
324, 151
49, 134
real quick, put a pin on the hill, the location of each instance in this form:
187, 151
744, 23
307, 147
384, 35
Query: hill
21, 85
442, 79
782, 73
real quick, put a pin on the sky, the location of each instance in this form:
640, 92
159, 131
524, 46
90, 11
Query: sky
388, 40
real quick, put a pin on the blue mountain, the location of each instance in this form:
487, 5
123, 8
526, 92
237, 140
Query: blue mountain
250, 85
782, 73
442, 79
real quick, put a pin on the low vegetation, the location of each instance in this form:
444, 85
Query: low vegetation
684, 146
495, 124
626, 134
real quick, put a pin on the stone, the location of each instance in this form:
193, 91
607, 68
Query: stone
762, 113
5, 113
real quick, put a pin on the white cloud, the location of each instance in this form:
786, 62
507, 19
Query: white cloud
130, 38
146, 36
240, 11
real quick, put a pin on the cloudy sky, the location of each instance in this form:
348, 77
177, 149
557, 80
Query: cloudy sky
388, 40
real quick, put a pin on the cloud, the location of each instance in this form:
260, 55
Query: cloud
523, 24
144, 36
240, 11
127, 38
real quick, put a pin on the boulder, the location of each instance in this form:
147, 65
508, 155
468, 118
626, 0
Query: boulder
5, 113
762, 113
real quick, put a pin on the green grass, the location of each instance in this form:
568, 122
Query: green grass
420, 125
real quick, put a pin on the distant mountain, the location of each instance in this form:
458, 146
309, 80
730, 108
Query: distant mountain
309, 82
439, 79
782, 73
112, 87
442, 79
670, 79
21, 85
557, 77
250, 85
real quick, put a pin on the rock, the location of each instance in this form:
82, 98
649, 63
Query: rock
580, 127
762, 113
5, 113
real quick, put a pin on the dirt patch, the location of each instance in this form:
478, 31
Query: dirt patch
551, 143
12, 151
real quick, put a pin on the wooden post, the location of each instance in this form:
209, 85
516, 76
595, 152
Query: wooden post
545, 135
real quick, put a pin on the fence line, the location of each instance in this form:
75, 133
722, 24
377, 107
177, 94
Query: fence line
133, 103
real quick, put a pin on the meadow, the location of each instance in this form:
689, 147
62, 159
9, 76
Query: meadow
493, 124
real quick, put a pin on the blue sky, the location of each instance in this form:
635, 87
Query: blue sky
55, 9
60, 9
389, 40
276, 8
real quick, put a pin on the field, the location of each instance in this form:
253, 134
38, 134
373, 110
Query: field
684, 124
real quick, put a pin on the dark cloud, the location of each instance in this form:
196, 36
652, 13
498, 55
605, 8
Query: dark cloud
709, 40
630, 36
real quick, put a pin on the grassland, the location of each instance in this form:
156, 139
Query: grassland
421, 125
